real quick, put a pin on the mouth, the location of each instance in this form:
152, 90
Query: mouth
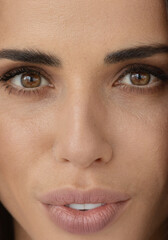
84, 207
83, 212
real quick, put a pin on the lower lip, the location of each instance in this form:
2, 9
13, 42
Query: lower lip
83, 222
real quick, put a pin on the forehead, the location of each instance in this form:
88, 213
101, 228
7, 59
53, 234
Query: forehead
81, 24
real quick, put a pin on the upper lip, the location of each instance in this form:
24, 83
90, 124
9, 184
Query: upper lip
70, 195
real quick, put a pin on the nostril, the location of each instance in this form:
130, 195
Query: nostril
66, 160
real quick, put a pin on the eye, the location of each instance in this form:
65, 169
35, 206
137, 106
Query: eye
29, 80
140, 79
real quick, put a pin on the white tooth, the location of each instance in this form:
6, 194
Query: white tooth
85, 206
76, 206
91, 206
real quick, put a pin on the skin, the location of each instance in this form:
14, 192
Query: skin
52, 141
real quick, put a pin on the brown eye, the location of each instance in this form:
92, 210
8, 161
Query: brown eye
30, 80
140, 78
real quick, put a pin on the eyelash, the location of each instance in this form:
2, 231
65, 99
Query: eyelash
133, 68
20, 70
141, 69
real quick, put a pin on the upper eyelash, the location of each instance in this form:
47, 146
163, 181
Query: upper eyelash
16, 71
25, 69
144, 68
131, 68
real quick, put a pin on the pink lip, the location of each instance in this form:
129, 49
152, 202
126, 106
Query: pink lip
83, 222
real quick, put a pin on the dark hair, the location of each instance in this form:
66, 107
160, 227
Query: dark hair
7, 221
6, 224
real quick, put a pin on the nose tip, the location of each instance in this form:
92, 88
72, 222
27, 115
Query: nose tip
90, 154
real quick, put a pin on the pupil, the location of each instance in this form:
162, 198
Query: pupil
31, 80
140, 78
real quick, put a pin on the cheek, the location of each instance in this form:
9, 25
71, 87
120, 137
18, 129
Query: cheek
142, 147
23, 141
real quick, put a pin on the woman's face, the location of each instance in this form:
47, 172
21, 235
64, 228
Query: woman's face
74, 127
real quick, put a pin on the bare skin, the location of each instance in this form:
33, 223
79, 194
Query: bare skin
53, 140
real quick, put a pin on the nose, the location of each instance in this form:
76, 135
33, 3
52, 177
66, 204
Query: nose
81, 138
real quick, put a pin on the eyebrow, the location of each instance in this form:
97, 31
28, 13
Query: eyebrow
143, 51
39, 57
31, 56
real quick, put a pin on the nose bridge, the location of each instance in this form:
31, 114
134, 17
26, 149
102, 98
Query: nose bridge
82, 140
83, 108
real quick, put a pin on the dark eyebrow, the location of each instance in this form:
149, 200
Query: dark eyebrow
31, 56
38, 57
135, 52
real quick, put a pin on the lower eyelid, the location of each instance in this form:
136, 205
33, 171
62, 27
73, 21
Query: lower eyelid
50, 84
153, 87
7, 82
39, 92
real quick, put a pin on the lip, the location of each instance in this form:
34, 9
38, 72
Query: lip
83, 222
